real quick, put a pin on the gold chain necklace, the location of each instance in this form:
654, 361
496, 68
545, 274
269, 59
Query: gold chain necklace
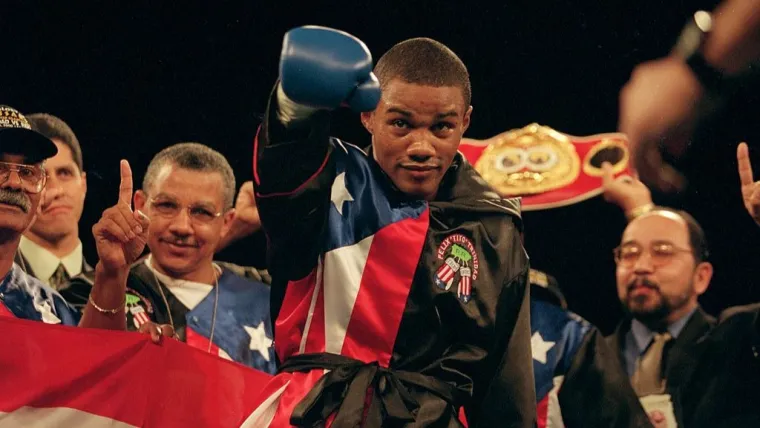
217, 274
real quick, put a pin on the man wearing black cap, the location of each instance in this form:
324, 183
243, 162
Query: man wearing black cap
22, 181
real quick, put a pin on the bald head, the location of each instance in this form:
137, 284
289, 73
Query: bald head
676, 222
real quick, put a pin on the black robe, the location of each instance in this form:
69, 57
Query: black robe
432, 316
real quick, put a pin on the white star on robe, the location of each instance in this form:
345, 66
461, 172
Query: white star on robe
540, 347
339, 193
259, 340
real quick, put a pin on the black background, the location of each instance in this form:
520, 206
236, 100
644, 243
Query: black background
134, 77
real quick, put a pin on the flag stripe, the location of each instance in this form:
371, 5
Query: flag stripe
55, 418
4, 311
298, 304
385, 286
122, 376
312, 307
448, 274
344, 268
300, 384
265, 412
198, 341
541, 410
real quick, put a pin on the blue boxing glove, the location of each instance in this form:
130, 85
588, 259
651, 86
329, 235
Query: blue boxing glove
325, 68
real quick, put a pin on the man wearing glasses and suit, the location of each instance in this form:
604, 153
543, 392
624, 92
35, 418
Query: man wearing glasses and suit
662, 269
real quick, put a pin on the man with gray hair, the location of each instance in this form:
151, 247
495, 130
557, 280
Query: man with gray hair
50, 249
188, 193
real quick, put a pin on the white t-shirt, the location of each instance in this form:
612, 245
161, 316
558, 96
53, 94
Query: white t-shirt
190, 293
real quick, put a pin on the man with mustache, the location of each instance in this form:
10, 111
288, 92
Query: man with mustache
662, 269
188, 192
22, 180
51, 250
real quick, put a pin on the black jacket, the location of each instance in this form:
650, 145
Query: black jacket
724, 390
478, 346
682, 355
75, 293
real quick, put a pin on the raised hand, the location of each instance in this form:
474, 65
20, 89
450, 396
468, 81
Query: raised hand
626, 192
246, 211
750, 187
121, 234
658, 110
326, 68
246, 220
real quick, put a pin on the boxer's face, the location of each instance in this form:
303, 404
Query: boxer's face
185, 225
416, 131
658, 278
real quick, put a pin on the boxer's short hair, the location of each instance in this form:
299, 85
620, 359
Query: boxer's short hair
196, 157
424, 61
54, 127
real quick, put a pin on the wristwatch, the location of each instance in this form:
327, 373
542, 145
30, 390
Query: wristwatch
689, 48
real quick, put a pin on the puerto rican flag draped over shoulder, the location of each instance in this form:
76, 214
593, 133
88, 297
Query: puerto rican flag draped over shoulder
57, 376
353, 301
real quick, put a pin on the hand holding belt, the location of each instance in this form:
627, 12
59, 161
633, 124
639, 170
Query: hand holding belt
346, 386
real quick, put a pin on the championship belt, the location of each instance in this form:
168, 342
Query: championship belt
547, 168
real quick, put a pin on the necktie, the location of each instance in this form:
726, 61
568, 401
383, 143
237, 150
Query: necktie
648, 379
60, 278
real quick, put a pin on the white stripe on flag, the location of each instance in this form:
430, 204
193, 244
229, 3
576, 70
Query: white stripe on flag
56, 417
344, 268
449, 274
312, 305
263, 415
553, 410
142, 318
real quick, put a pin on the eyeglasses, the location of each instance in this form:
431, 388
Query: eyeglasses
170, 209
33, 177
660, 252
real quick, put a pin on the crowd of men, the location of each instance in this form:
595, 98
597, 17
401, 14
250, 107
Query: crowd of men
397, 282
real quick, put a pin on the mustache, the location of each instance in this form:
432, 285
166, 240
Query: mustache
17, 198
643, 282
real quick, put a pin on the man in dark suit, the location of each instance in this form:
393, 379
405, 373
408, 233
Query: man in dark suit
662, 269
725, 388
51, 250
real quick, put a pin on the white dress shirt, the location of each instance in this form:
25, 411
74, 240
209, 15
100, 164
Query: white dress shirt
43, 263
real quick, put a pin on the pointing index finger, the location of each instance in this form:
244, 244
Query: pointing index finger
125, 187
745, 167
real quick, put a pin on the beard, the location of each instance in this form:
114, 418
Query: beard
652, 310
